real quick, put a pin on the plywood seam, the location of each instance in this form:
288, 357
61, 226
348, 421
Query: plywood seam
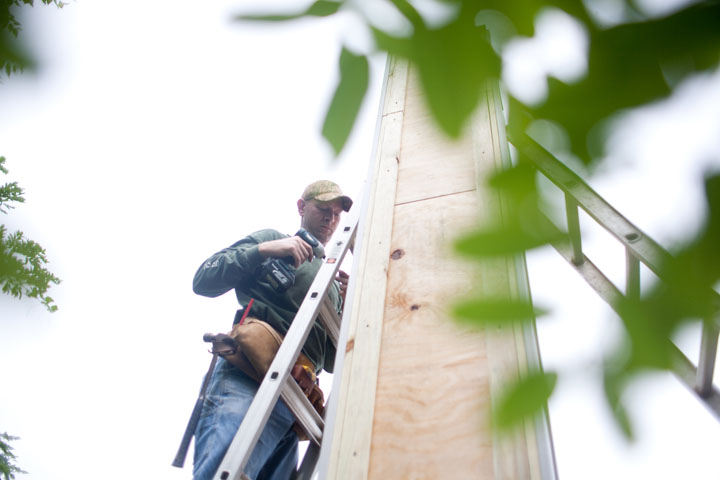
394, 111
434, 197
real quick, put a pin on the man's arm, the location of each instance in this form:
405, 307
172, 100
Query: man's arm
227, 268
236, 264
294, 247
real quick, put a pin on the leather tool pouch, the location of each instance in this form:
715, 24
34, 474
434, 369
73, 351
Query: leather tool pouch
258, 343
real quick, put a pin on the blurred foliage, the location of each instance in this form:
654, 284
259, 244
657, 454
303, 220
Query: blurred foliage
349, 95
524, 398
8, 469
22, 261
495, 312
14, 58
636, 61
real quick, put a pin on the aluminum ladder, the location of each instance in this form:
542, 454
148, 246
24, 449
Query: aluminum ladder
278, 382
639, 248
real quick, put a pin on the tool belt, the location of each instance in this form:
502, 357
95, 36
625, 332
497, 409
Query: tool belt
257, 343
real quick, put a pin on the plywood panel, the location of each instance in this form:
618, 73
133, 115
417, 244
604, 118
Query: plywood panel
431, 164
433, 389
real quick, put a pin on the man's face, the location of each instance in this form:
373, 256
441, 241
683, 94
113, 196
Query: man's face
320, 218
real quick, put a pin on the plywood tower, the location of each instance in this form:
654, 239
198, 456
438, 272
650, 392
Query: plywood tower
413, 397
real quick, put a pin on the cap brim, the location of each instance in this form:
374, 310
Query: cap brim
329, 197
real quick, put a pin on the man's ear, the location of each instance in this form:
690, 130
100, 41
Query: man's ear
301, 206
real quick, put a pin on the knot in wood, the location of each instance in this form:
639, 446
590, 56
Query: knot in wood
397, 254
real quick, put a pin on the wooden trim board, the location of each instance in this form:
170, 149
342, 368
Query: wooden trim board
352, 429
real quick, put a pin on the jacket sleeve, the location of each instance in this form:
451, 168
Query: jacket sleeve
228, 268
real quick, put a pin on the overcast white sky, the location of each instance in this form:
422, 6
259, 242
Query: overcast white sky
157, 133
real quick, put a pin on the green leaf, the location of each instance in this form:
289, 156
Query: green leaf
485, 312
409, 12
321, 8
398, 46
524, 398
453, 63
517, 186
345, 105
614, 383
8, 469
505, 240
22, 268
649, 325
625, 70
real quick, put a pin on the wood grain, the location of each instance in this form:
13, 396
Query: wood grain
433, 389
431, 163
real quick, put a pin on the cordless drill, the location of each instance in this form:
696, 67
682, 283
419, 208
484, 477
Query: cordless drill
279, 273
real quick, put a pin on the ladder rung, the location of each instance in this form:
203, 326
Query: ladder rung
687, 374
303, 410
632, 275
573, 222
706, 364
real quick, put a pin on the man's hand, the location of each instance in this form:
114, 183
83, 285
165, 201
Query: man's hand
294, 247
343, 278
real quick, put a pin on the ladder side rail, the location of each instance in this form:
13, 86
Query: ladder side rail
684, 369
641, 245
320, 464
238, 454
543, 432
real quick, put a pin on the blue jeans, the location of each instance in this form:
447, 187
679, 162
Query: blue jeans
229, 395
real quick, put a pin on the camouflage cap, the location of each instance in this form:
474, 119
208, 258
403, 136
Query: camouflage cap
326, 191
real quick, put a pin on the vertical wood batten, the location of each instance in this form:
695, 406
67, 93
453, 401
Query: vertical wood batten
527, 452
350, 450
510, 456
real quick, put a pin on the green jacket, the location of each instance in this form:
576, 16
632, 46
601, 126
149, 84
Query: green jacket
236, 267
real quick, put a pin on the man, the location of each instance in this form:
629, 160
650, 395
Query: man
231, 391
